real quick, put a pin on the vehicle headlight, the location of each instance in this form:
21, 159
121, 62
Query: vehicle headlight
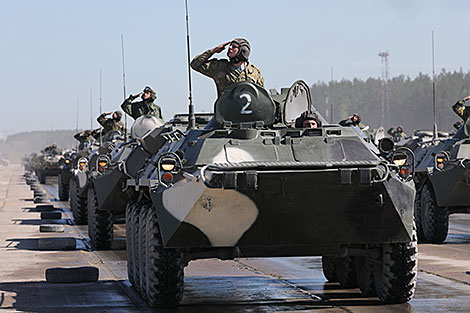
399, 162
404, 159
82, 163
440, 160
67, 161
167, 165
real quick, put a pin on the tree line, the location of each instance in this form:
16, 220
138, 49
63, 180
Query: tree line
408, 102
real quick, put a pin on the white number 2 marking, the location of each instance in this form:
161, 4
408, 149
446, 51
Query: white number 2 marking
245, 110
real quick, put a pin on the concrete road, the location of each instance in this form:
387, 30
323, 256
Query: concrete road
243, 285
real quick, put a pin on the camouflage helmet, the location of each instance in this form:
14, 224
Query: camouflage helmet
307, 116
118, 114
244, 49
153, 94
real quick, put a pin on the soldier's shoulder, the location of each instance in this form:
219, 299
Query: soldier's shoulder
254, 69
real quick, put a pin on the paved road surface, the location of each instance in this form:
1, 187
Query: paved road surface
243, 285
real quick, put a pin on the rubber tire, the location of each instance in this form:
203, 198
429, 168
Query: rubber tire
346, 272
130, 251
365, 276
165, 274
77, 204
434, 219
63, 188
329, 268
100, 223
42, 178
395, 276
142, 249
135, 261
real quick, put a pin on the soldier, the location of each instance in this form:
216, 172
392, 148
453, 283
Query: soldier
308, 120
353, 120
226, 72
460, 109
397, 133
144, 107
83, 137
113, 123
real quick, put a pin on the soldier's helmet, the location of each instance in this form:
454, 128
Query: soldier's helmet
244, 49
153, 94
307, 116
118, 115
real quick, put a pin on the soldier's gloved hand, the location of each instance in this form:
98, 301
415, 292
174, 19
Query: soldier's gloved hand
132, 97
220, 47
466, 98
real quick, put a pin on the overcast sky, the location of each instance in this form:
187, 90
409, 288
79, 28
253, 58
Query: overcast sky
52, 51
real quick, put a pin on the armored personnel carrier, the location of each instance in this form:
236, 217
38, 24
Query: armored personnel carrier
78, 201
442, 180
106, 199
47, 163
65, 173
85, 163
251, 185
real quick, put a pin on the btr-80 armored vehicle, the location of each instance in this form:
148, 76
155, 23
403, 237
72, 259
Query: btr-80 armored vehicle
85, 165
65, 173
442, 180
106, 199
48, 163
252, 185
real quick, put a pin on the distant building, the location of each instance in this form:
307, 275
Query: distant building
1, 137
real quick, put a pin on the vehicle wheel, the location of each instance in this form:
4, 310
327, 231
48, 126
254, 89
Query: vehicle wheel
42, 178
77, 204
434, 219
418, 216
365, 275
142, 251
395, 276
135, 213
100, 223
329, 268
346, 272
130, 251
165, 276
63, 188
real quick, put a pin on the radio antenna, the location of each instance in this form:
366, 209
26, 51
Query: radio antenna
76, 119
192, 117
124, 82
91, 108
435, 134
101, 90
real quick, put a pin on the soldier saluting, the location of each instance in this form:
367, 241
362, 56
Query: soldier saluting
113, 123
144, 107
226, 72
460, 109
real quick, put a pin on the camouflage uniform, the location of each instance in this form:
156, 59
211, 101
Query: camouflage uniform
224, 73
136, 109
461, 110
84, 135
110, 124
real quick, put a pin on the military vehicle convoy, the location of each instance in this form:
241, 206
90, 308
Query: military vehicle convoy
251, 185
442, 180
106, 199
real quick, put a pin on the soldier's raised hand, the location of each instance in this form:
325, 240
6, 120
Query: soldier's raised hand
466, 98
220, 47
